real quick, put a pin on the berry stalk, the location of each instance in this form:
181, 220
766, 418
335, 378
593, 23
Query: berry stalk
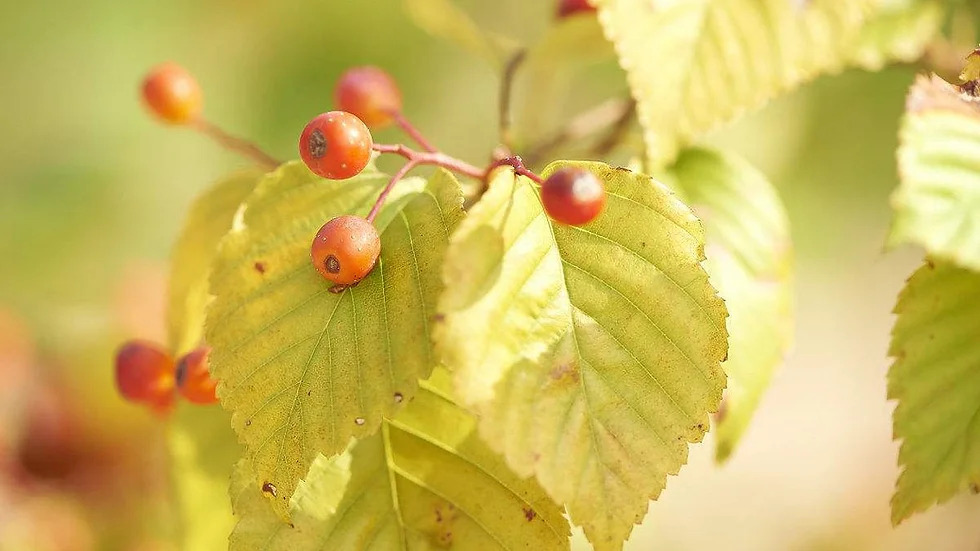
391, 184
233, 143
412, 132
433, 158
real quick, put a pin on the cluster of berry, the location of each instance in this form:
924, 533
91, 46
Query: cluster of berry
147, 374
336, 145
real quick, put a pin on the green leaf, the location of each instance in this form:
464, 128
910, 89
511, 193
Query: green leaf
425, 481
591, 353
207, 222
203, 450
899, 30
301, 368
936, 381
750, 263
446, 20
937, 204
693, 64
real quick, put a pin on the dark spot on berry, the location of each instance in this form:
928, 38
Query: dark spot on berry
260, 267
332, 264
270, 489
318, 144
181, 373
529, 514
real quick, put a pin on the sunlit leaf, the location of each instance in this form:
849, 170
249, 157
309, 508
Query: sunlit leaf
937, 204
591, 353
750, 263
693, 64
936, 381
899, 30
446, 20
207, 222
203, 448
304, 369
424, 481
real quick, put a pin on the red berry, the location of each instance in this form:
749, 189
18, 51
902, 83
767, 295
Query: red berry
573, 196
346, 249
336, 145
370, 94
145, 373
193, 379
172, 94
571, 7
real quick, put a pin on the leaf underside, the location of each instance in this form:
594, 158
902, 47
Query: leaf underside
937, 204
425, 481
591, 353
936, 381
303, 369
749, 261
694, 64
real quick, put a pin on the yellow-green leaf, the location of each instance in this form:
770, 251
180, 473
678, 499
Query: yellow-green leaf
446, 20
693, 64
304, 369
750, 263
899, 30
425, 481
937, 204
592, 353
936, 381
203, 448
207, 222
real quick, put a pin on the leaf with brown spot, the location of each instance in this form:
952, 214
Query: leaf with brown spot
592, 361
426, 480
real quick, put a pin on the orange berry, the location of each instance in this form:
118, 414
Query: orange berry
370, 94
336, 145
145, 373
193, 378
573, 196
346, 249
172, 94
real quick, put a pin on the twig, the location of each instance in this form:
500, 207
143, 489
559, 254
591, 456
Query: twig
433, 158
610, 113
391, 184
413, 132
506, 94
238, 145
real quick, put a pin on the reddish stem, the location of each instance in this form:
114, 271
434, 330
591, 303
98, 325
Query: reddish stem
391, 184
238, 145
433, 158
517, 164
412, 132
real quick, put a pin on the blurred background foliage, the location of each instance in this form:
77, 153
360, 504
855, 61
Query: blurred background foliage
92, 193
